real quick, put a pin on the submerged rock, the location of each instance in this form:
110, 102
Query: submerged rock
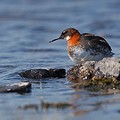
108, 86
103, 74
43, 73
47, 105
59, 105
30, 106
21, 87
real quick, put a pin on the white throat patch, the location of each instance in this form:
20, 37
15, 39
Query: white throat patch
67, 37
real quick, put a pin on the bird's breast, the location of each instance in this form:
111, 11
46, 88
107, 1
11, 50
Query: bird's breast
74, 40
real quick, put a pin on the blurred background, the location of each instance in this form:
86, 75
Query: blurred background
26, 27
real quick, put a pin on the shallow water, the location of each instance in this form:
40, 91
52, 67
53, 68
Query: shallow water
26, 27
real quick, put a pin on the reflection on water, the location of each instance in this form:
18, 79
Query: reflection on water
26, 27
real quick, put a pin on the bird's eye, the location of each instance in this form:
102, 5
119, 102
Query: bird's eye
64, 32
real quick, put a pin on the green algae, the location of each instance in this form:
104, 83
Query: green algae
96, 85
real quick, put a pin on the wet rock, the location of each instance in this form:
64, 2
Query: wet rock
59, 73
35, 73
81, 72
43, 73
47, 105
100, 75
21, 87
106, 68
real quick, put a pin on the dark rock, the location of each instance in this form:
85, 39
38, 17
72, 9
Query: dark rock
43, 73
21, 87
35, 73
60, 73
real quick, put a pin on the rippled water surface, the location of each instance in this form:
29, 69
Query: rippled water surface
26, 27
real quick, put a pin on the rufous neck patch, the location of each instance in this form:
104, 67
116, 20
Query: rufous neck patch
74, 40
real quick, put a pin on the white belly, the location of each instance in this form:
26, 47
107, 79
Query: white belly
81, 55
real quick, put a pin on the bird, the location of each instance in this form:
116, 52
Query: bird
85, 47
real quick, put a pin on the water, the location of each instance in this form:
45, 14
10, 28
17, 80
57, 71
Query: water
26, 27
